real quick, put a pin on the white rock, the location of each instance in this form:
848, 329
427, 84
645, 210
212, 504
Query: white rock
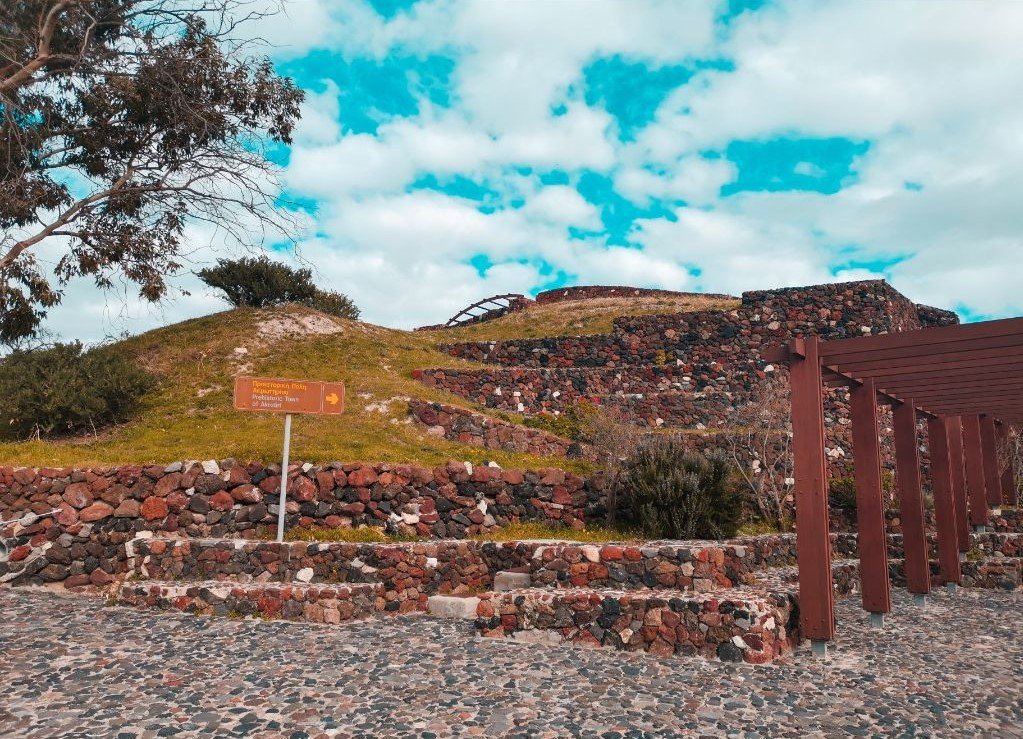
468, 467
210, 467
304, 575
431, 562
737, 641
437, 431
591, 553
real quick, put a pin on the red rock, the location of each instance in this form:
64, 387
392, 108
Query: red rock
157, 546
221, 501
553, 476
127, 508
167, 484
247, 494
177, 501
325, 482
611, 553
362, 477
562, 496
78, 495
303, 489
96, 512
100, 577
154, 508
66, 516
76, 581
25, 475
512, 477
19, 553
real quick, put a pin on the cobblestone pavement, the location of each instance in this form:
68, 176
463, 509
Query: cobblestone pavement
69, 666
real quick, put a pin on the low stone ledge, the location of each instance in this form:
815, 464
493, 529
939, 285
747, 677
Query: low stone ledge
733, 626
314, 604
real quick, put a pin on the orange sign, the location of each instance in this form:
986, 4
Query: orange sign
278, 395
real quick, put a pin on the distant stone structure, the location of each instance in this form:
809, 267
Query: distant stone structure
683, 369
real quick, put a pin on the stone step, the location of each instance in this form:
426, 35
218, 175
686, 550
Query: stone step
736, 625
307, 603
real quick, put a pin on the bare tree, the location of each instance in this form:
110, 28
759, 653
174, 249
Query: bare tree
120, 122
758, 440
1010, 453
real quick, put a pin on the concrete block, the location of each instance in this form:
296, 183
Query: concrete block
450, 606
512, 581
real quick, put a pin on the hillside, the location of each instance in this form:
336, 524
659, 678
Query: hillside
190, 415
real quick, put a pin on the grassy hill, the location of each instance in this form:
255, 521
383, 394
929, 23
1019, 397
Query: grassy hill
189, 415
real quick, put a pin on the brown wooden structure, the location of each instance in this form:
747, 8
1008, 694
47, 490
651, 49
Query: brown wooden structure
966, 382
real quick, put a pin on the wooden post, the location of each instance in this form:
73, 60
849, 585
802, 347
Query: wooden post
911, 504
975, 471
871, 540
813, 543
1010, 493
944, 501
958, 465
992, 478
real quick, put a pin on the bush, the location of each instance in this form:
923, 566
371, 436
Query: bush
666, 491
62, 389
260, 282
572, 423
842, 492
334, 304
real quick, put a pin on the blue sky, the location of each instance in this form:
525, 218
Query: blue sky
452, 150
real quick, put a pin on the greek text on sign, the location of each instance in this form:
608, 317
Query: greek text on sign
280, 395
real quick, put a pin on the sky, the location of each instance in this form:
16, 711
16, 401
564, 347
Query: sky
453, 150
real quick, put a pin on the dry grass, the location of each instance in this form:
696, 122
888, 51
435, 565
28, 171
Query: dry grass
190, 414
527, 531
577, 317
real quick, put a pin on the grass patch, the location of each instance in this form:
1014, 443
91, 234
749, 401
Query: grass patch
531, 530
189, 414
361, 535
759, 528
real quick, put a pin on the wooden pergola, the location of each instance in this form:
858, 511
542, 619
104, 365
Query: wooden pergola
967, 382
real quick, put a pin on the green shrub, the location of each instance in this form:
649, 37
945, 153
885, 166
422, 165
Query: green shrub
572, 423
62, 389
842, 491
260, 282
666, 491
334, 304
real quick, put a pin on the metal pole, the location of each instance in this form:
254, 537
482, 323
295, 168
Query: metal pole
284, 478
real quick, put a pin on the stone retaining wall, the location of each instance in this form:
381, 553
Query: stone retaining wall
476, 429
751, 627
75, 522
681, 369
330, 605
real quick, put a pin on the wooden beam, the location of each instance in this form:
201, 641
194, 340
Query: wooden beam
974, 457
944, 500
924, 337
989, 445
958, 469
872, 541
813, 544
911, 505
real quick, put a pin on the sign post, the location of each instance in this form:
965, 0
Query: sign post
284, 478
278, 395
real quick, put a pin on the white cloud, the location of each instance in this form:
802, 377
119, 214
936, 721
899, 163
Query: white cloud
934, 87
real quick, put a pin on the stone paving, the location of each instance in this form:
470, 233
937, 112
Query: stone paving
72, 667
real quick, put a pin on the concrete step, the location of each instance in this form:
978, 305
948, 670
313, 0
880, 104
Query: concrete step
307, 603
755, 626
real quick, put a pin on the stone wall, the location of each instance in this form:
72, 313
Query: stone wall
75, 522
590, 292
477, 429
680, 369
